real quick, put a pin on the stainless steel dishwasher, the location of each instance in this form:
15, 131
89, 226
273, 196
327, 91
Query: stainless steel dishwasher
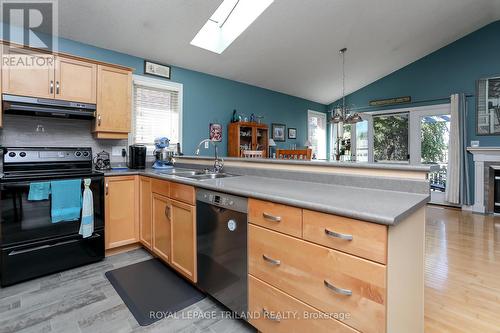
221, 230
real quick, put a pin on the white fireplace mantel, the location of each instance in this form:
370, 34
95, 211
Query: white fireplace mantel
481, 155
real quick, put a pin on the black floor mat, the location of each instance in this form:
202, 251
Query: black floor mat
150, 286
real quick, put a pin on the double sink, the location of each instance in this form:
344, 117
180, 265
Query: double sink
194, 174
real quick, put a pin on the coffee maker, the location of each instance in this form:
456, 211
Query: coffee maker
137, 156
164, 157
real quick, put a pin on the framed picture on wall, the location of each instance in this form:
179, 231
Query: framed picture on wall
292, 133
488, 106
215, 132
278, 132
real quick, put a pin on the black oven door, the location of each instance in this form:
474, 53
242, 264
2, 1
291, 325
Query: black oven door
25, 221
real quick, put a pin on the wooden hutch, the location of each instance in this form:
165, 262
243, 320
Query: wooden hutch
247, 136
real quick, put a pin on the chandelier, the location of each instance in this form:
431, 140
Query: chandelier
341, 114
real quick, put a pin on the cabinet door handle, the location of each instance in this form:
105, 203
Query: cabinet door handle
272, 261
338, 235
167, 212
98, 120
269, 316
337, 290
107, 188
51, 90
270, 217
57, 87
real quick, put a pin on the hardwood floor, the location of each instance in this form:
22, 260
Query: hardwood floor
83, 300
462, 293
462, 273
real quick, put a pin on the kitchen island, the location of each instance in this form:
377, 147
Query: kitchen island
344, 248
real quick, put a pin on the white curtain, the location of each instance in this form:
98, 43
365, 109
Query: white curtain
453, 174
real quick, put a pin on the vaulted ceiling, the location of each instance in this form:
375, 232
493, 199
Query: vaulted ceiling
292, 47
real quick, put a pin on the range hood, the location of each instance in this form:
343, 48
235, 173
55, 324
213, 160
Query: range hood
13, 104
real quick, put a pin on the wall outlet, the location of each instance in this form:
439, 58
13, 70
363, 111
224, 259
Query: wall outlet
207, 145
117, 150
474, 143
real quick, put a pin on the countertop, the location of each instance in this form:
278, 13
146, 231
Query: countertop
372, 205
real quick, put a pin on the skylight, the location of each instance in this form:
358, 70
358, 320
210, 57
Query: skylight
228, 22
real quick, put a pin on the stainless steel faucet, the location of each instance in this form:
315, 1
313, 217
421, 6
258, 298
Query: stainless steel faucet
218, 163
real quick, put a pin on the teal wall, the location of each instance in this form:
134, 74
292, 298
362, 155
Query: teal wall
208, 98
451, 69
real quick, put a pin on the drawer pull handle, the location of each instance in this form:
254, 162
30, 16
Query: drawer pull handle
338, 235
271, 261
338, 290
270, 217
269, 316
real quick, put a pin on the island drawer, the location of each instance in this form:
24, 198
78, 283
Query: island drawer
272, 310
161, 187
329, 280
182, 192
363, 239
282, 218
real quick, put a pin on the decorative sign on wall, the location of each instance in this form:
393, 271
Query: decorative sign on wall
157, 69
216, 132
390, 101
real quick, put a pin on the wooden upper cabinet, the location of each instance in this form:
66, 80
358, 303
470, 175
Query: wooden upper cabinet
145, 217
75, 80
183, 256
162, 220
121, 226
114, 95
33, 81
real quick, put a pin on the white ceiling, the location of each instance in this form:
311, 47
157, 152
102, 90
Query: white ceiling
292, 47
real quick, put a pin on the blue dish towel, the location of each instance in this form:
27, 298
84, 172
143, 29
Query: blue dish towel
66, 200
39, 191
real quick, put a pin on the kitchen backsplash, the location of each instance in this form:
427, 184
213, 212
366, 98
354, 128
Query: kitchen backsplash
52, 132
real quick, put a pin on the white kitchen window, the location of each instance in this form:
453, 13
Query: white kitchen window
157, 111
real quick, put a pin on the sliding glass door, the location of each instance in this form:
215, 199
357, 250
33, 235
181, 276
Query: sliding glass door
414, 136
390, 138
434, 142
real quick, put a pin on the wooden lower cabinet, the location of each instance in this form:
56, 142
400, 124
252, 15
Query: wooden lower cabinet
281, 218
329, 280
145, 215
367, 240
121, 208
162, 226
271, 310
183, 255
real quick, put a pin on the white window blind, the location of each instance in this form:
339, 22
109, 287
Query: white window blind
156, 114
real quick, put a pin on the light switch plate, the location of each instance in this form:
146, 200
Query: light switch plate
117, 150
207, 144
474, 143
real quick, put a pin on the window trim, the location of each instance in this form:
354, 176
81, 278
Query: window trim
158, 84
